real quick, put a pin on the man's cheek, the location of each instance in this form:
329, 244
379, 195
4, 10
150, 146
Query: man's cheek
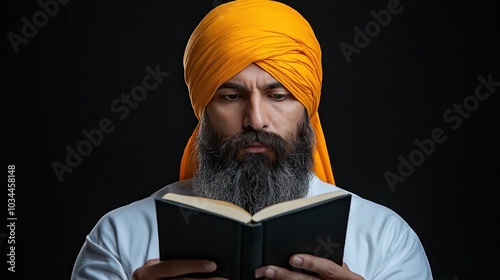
225, 130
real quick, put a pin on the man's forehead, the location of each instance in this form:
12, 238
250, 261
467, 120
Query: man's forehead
252, 75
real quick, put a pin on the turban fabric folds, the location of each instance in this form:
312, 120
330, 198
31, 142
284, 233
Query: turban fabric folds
273, 36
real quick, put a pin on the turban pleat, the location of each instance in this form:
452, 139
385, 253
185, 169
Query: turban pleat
270, 34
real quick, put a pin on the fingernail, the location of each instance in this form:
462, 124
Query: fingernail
270, 273
297, 261
210, 266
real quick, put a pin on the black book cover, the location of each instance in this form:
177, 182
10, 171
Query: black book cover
186, 232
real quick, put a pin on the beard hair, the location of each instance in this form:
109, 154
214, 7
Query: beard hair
257, 180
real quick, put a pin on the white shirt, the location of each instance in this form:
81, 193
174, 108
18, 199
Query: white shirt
379, 243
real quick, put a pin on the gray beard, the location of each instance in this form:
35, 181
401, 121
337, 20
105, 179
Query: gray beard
256, 181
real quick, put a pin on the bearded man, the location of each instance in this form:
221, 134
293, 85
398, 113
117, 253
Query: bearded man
254, 74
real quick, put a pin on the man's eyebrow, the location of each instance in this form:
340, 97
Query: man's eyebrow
231, 85
274, 85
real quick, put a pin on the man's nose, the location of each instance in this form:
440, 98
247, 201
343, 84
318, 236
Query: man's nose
256, 115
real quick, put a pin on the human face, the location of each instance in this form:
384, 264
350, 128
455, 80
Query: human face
254, 100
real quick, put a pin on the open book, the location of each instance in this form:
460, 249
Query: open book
192, 227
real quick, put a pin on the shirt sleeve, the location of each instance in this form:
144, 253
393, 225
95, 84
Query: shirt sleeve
406, 260
121, 241
381, 245
94, 262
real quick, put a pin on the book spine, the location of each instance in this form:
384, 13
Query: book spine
251, 250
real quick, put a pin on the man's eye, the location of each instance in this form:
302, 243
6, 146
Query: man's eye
278, 96
230, 96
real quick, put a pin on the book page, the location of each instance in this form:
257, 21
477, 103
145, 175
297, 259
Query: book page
286, 206
220, 207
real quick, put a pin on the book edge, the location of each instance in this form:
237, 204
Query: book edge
280, 209
217, 207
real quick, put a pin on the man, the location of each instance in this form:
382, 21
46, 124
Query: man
253, 69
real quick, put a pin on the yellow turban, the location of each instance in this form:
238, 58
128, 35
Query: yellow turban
270, 34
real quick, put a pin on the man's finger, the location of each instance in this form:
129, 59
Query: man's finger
151, 262
325, 268
279, 273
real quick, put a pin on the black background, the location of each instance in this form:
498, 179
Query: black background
428, 58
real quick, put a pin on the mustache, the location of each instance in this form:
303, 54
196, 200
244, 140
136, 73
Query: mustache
243, 139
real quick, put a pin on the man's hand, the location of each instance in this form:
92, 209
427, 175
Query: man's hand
155, 269
325, 269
